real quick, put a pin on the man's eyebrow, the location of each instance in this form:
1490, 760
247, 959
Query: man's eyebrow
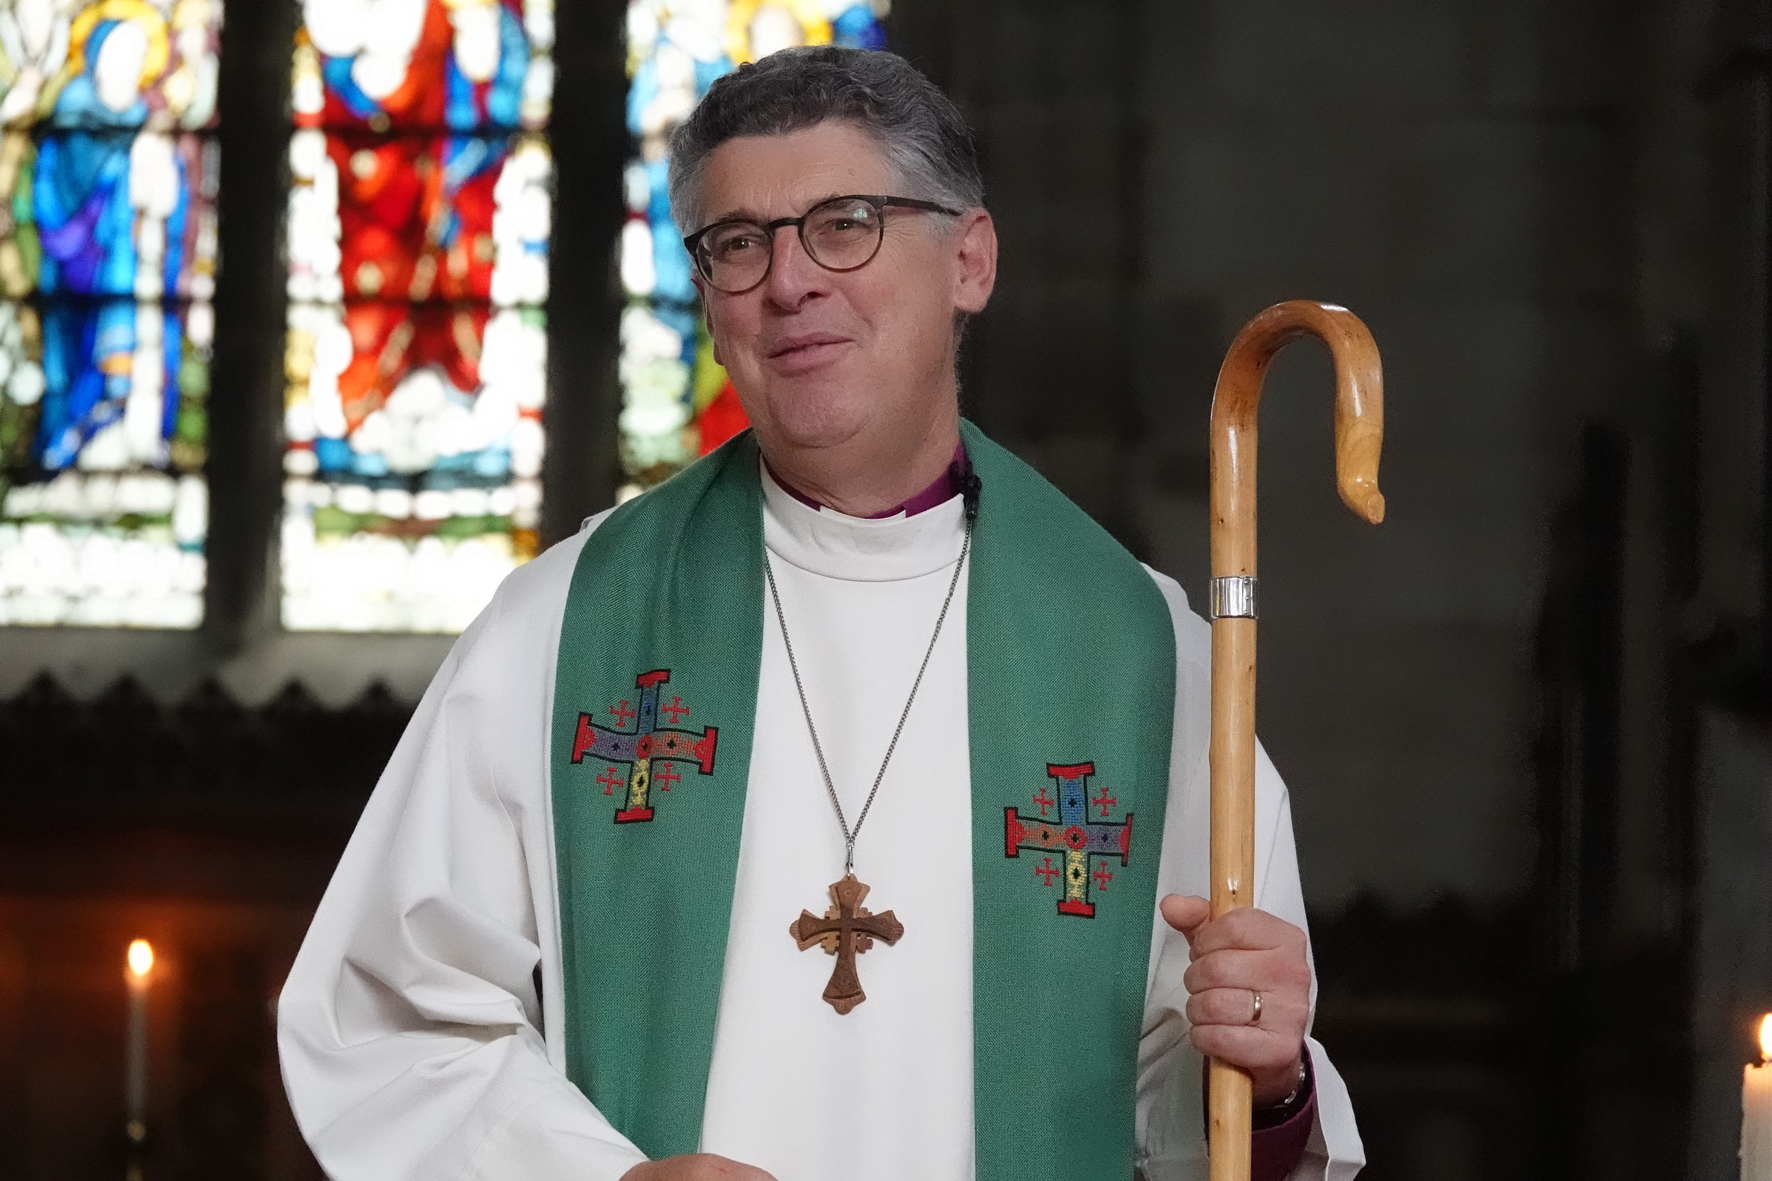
744, 214
740, 214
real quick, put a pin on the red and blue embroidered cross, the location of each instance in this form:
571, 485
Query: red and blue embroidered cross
646, 742
1075, 833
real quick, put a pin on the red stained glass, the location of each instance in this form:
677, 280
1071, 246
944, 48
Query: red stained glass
416, 215
391, 339
723, 418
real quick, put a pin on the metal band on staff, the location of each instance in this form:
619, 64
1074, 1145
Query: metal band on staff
1232, 597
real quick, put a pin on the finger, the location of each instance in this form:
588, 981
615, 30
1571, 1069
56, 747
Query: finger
1222, 1006
1185, 912
1230, 968
1247, 1046
701, 1166
730, 1170
1262, 971
1231, 1008
1249, 929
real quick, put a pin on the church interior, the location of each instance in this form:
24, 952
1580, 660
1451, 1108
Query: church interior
317, 317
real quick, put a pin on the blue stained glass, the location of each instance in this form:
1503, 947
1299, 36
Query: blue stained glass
641, 91
84, 348
108, 265
493, 463
83, 214
504, 95
79, 104
658, 190
707, 73
675, 282
683, 320
85, 203
88, 358
334, 454
468, 156
857, 28
340, 84
175, 227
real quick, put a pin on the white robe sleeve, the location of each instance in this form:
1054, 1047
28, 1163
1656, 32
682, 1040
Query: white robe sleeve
1171, 1132
410, 1029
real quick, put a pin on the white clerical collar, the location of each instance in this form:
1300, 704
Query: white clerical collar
884, 549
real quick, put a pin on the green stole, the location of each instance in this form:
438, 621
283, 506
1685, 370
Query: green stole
1070, 656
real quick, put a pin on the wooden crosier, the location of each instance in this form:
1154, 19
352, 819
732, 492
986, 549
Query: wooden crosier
1359, 430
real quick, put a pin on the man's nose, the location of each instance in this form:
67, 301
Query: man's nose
793, 276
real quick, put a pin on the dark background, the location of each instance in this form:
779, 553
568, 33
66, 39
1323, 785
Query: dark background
1526, 722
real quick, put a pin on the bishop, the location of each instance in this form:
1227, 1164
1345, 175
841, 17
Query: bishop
892, 654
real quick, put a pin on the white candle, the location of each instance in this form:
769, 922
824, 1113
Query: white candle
1756, 1111
135, 1078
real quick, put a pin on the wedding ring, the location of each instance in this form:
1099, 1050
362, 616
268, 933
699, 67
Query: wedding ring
1255, 1009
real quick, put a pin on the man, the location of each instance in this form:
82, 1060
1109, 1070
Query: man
860, 658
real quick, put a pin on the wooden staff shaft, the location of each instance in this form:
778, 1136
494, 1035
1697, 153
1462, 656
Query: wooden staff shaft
1233, 862
1359, 430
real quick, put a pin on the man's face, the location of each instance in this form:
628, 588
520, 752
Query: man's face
818, 356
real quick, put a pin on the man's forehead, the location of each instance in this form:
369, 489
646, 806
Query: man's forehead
768, 176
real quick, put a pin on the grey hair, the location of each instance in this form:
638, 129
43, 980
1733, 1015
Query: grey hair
921, 133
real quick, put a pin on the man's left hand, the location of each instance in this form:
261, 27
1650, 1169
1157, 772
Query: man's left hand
1235, 957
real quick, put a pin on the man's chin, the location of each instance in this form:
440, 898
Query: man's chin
815, 417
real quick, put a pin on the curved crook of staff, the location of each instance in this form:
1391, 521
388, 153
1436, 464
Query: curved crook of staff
1359, 430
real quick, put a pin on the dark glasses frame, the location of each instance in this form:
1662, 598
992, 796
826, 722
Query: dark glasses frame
880, 203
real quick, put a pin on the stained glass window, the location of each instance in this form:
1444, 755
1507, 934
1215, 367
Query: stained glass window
417, 234
108, 173
676, 401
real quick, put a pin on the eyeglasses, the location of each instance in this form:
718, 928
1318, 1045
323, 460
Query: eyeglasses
841, 234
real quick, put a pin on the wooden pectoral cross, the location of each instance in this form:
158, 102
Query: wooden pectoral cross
846, 930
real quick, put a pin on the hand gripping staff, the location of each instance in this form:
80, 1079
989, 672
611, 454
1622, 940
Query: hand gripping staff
1359, 429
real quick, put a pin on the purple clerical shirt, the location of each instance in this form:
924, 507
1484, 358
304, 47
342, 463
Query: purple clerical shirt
943, 489
1280, 1133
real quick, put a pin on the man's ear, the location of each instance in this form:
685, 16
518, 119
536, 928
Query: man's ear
707, 310
976, 255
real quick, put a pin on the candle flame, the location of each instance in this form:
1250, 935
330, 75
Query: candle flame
141, 958
1766, 1038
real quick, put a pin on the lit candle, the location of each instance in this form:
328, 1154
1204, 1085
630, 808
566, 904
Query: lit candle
135, 1087
1756, 1111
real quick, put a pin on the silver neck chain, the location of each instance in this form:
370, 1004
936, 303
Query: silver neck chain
849, 834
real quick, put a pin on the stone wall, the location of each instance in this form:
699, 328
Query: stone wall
1453, 172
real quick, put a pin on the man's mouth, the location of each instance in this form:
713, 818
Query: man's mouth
805, 345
